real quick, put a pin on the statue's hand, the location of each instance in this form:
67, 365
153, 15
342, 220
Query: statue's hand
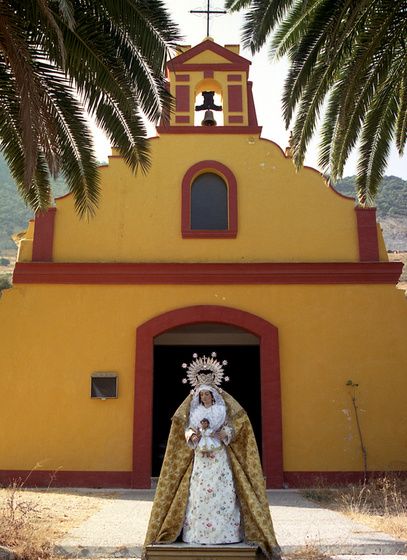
222, 435
195, 438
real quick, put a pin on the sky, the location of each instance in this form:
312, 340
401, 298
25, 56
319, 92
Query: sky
267, 77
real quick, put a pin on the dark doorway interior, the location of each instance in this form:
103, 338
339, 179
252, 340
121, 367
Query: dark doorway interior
243, 369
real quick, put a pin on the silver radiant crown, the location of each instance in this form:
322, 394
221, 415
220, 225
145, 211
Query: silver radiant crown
205, 371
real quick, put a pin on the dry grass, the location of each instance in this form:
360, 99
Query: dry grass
23, 528
381, 503
33, 520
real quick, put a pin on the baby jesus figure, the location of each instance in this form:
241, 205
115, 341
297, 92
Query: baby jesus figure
207, 442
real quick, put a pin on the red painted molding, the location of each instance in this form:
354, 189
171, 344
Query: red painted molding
207, 273
182, 77
78, 479
235, 118
235, 99
192, 173
217, 67
306, 479
182, 98
367, 234
44, 236
270, 384
207, 46
208, 73
210, 129
124, 479
234, 77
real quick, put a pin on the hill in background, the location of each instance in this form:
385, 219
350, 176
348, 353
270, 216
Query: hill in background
391, 209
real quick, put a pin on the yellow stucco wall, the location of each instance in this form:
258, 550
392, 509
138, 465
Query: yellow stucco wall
56, 336
282, 215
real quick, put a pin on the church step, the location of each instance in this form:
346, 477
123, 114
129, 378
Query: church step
203, 552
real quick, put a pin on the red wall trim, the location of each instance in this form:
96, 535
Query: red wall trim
235, 99
208, 73
190, 175
182, 119
234, 77
209, 129
182, 77
270, 384
123, 479
182, 98
235, 118
251, 107
306, 479
367, 234
79, 479
207, 274
44, 235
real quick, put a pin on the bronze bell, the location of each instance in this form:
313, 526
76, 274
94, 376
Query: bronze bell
209, 119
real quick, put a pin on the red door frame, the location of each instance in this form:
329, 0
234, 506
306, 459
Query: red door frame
270, 385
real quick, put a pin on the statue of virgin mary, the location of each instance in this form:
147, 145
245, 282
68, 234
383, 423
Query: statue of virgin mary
211, 486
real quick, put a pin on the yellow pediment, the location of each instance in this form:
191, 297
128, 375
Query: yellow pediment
208, 57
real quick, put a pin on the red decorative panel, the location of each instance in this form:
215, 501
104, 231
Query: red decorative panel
208, 73
235, 119
234, 77
235, 99
367, 234
270, 384
44, 236
190, 175
182, 119
182, 99
182, 77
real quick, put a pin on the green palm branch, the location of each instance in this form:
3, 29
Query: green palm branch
348, 67
62, 59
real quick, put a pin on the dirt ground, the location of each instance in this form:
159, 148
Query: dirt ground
60, 509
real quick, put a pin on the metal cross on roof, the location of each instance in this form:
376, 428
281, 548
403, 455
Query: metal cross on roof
208, 13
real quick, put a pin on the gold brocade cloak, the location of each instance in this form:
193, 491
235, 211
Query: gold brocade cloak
168, 512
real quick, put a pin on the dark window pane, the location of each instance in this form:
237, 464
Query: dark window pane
209, 202
104, 387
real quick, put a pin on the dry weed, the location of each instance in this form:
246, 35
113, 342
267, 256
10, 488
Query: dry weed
380, 503
23, 527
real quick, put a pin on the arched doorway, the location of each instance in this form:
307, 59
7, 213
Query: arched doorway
238, 347
267, 335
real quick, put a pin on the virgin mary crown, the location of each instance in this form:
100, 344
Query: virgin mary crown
205, 371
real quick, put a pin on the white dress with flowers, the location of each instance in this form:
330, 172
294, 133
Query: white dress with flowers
212, 514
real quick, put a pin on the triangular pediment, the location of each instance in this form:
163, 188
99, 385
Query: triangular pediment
209, 52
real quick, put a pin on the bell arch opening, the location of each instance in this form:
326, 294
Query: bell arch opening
208, 103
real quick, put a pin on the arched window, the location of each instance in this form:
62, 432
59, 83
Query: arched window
209, 201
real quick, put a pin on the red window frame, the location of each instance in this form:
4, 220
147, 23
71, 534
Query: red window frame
209, 166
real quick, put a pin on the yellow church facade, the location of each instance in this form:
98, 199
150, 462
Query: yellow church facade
221, 246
